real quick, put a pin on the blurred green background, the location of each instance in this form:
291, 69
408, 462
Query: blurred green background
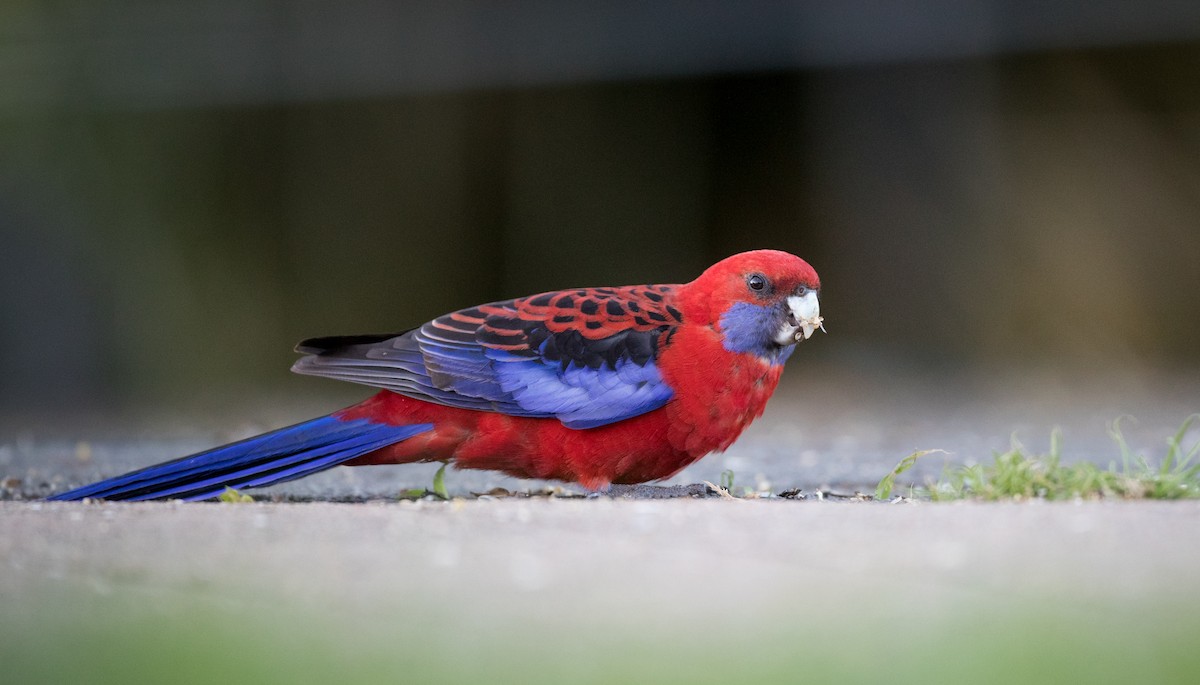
187, 189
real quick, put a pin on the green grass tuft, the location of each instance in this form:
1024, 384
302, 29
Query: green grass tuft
1016, 474
439, 487
234, 496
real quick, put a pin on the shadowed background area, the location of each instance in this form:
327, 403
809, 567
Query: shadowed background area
188, 189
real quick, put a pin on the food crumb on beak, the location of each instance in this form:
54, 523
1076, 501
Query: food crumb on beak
809, 326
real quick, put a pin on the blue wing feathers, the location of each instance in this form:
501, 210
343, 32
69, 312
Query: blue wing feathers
506, 359
583, 397
275, 457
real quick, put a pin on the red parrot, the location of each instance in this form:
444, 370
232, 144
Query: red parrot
592, 385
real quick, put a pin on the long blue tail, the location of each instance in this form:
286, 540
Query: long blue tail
275, 457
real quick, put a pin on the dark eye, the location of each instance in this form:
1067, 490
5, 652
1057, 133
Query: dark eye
802, 290
757, 282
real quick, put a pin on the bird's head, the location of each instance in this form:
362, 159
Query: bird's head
762, 302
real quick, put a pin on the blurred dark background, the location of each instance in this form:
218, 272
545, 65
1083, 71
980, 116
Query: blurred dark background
187, 189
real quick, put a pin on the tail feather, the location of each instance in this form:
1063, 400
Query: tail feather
275, 457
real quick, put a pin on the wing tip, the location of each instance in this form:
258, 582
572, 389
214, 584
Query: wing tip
333, 343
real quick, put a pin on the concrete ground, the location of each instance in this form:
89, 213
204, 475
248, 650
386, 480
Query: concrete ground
551, 590
598, 555
563, 589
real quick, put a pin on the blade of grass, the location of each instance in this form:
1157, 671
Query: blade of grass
439, 482
886, 484
1175, 446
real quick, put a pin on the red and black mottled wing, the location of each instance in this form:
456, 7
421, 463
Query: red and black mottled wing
586, 356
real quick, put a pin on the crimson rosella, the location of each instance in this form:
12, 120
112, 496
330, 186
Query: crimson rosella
593, 385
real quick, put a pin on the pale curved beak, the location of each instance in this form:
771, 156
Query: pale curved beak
804, 318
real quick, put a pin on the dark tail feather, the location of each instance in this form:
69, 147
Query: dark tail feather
275, 457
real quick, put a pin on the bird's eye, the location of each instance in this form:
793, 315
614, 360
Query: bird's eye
802, 290
757, 282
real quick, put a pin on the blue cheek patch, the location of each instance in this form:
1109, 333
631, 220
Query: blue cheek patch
750, 329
